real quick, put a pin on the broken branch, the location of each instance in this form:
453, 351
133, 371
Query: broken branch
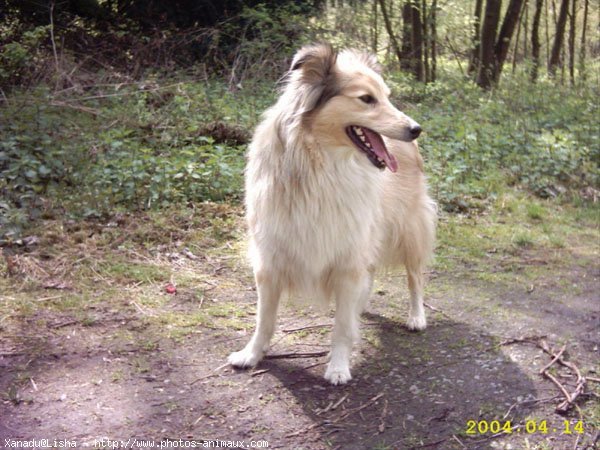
297, 355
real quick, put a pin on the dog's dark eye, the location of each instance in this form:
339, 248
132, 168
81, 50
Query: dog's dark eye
368, 99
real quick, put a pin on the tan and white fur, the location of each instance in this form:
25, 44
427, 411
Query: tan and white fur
322, 217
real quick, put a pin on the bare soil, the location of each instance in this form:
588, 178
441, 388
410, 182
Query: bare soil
142, 363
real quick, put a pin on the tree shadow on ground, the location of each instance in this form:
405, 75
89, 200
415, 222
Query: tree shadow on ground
412, 390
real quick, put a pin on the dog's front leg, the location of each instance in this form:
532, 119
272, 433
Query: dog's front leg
268, 300
349, 291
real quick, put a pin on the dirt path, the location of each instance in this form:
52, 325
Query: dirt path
111, 355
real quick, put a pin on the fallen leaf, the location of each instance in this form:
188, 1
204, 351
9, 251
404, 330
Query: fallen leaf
56, 284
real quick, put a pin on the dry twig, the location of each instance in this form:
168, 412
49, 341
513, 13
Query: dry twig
295, 355
570, 398
358, 409
433, 308
523, 339
558, 355
310, 327
524, 402
569, 401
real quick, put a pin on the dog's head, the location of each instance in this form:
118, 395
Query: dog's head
346, 102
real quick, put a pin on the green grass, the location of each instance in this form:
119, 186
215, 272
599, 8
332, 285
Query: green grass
495, 244
535, 211
136, 147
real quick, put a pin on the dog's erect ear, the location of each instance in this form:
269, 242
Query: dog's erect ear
314, 66
316, 61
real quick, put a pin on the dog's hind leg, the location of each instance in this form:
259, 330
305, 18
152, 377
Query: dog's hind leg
416, 312
269, 293
418, 247
349, 291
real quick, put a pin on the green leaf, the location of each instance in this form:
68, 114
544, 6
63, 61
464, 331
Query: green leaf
44, 171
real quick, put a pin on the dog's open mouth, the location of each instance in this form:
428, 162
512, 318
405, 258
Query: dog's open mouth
371, 143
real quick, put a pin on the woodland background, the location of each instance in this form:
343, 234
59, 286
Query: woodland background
130, 104
123, 282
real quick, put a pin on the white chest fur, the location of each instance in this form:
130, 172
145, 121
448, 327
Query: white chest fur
308, 222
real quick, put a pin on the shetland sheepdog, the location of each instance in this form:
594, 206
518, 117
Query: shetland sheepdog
335, 189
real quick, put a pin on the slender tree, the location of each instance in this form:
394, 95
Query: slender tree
547, 33
506, 31
474, 60
405, 62
425, 40
582, 73
374, 28
558, 38
433, 42
572, 42
526, 29
516, 48
390, 31
417, 42
485, 77
535, 40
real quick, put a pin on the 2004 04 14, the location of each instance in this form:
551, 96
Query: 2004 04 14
531, 427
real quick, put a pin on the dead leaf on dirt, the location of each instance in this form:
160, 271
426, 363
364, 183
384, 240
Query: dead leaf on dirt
188, 254
12, 266
30, 241
56, 284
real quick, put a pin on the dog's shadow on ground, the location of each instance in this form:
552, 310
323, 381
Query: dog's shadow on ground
411, 390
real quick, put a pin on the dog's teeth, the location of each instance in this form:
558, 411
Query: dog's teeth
358, 131
367, 144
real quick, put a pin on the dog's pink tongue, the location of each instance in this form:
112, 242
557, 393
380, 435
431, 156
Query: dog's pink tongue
380, 150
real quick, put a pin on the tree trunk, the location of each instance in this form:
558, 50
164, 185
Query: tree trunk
433, 16
582, 73
485, 77
506, 31
516, 49
526, 29
425, 39
417, 42
547, 33
572, 42
558, 38
561, 61
535, 40
390, 31
406, 36
474, 60
374, 29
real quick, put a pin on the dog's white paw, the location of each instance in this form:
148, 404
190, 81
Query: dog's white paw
337, 375
416, 322
244, 359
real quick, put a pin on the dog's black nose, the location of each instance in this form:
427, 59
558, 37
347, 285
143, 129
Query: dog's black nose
415, 131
